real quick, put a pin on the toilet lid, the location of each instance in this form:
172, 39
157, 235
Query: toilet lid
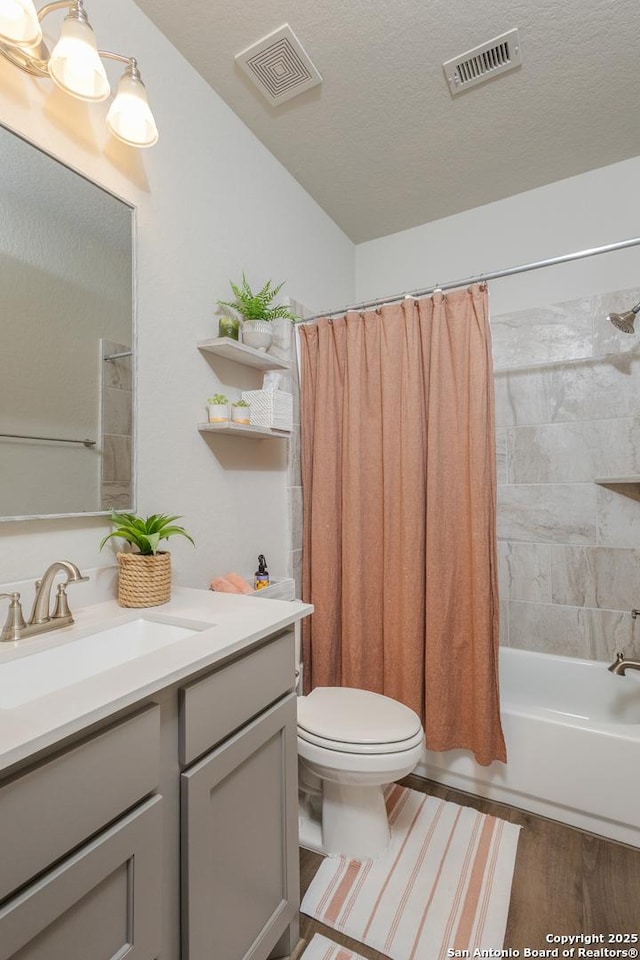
348, 716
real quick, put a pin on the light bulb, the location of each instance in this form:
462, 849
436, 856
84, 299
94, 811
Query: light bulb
75, 65
129, 117
19, 22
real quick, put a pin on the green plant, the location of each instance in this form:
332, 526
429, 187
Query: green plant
218, 399
240, 403
256, 306
145, 533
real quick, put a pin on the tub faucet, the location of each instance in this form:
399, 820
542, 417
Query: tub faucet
620, 665
42, 619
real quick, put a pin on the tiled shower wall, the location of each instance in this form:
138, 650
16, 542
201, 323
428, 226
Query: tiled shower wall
294, 474
568, 413
116, 490
284, 347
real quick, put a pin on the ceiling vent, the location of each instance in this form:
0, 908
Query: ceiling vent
279, 66
483, 63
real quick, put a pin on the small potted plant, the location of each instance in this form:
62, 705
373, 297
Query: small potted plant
256, 311
144, 577
218, 407
240, 411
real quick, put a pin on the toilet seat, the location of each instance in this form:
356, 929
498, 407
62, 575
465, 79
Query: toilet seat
363, 749
348, 720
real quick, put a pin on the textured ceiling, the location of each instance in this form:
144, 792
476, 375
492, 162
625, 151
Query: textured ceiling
381, 144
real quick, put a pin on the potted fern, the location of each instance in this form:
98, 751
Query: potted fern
256, 311
144, 577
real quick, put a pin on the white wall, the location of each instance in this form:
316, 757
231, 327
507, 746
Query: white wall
211, 202
583, 212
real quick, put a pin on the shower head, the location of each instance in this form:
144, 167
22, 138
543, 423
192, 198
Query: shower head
624, 321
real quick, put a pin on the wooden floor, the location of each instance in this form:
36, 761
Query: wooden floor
565, 881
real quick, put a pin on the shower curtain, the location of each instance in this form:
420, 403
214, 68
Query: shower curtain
399, 487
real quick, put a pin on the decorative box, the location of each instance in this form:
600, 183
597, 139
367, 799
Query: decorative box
270, 408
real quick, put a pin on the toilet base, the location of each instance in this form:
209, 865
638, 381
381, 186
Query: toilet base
354, 822
309, 828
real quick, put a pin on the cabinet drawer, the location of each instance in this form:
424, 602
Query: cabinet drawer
62, 802
103, 901
214, 707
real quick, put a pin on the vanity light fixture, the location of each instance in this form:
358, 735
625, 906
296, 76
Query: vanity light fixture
75, 65
19, 22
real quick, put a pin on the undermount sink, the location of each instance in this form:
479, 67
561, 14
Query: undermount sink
36, 674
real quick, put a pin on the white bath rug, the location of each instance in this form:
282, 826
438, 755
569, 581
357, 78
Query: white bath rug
322, 949
443, 883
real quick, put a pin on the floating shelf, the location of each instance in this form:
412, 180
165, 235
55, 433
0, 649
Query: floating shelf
632, 478
244, 430
628, 486
232, 350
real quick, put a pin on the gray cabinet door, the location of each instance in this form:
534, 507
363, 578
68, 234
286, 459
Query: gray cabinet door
101, 903
240, 884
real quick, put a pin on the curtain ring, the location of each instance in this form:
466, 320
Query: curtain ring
406, 301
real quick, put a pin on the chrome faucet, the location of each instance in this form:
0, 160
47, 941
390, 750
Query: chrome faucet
620, 665
41, 619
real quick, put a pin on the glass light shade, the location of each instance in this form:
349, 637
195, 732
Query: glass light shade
75, 64
129, 117
19, 22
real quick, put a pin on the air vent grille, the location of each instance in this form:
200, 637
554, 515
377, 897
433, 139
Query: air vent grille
489, 60
279, 65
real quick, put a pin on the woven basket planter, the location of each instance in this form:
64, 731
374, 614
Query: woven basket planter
144, 581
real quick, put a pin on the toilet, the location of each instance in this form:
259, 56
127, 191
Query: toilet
350, 744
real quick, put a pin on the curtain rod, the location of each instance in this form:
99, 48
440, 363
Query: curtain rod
480, 278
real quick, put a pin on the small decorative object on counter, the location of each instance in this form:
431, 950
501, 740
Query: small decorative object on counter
218, 408
240, 412
261, 579
229, 327
230, 583
144, 578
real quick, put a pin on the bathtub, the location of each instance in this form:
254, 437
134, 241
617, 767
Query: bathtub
573, 745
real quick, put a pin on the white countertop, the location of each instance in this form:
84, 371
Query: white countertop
227, 623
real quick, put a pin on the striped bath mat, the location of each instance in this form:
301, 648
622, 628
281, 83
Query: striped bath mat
322, 949
443, 883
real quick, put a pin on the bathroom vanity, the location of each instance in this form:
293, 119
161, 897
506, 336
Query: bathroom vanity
149, 810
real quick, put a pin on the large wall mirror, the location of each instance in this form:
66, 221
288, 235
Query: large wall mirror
66, 363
